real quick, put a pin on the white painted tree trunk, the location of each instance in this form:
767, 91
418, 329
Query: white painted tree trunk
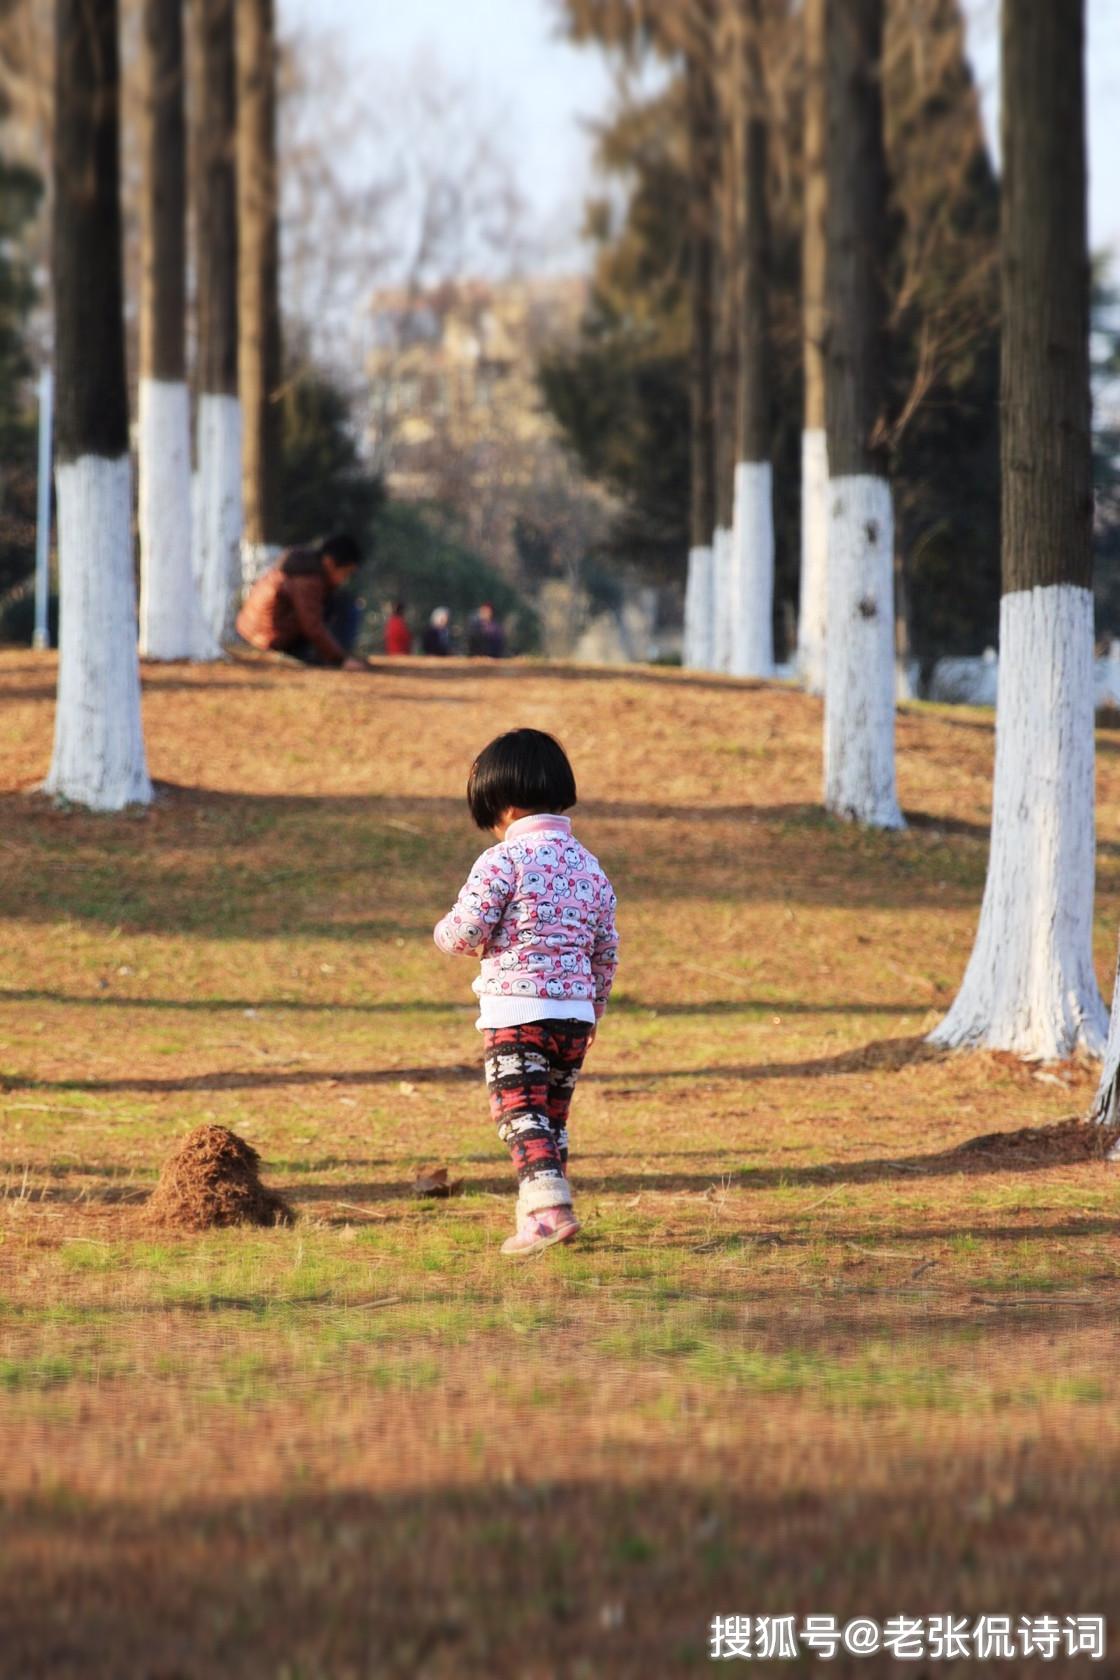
218, 534
98, 758
1106, 1105
256, 559
699, 609
1108, 676
722, 616
812, 623
859, 691
1030, 986
706, 611
196, 521
688, 635
171, 623
752, 571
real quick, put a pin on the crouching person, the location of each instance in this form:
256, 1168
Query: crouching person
299, 607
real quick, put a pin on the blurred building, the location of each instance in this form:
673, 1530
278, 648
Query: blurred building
458, 418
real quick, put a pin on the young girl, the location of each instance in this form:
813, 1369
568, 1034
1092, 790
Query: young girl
539, 912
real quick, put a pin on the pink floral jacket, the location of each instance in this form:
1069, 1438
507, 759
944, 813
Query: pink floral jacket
539, 911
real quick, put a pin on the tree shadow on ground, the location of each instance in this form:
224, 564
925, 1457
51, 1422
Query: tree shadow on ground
713, 1183
614, 1569
157, 680
458, 669
927, 820
887, 1055
942, 711
164, 685
426, 1006
259, 1006
268, 893
32, 692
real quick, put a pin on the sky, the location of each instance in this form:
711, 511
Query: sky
542, 92
1102, 57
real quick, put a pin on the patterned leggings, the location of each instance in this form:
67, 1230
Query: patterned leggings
531, 1072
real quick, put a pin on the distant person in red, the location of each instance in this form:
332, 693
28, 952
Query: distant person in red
299, 607
398, 637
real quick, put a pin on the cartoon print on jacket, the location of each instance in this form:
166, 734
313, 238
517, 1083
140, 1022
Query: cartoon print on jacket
540, 913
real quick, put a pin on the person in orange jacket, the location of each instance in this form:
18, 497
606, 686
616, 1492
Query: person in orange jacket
298, 606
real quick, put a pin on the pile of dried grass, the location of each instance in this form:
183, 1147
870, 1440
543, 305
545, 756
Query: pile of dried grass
214, 1179
1065, 1143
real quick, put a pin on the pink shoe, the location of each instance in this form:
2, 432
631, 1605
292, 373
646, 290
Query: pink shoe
538, 1231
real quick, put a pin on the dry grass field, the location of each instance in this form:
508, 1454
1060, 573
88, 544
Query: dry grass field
809, 1357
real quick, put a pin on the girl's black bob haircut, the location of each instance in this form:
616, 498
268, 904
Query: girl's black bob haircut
524, 769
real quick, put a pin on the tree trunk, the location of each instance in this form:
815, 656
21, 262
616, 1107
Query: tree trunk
859, 692
259, 351
171, 624
699, 603
218, 493
98, 757
1106, 1104
813, 615
727, 275
753, 518
1030, 985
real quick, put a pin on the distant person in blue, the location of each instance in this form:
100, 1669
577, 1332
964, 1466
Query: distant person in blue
486, 639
